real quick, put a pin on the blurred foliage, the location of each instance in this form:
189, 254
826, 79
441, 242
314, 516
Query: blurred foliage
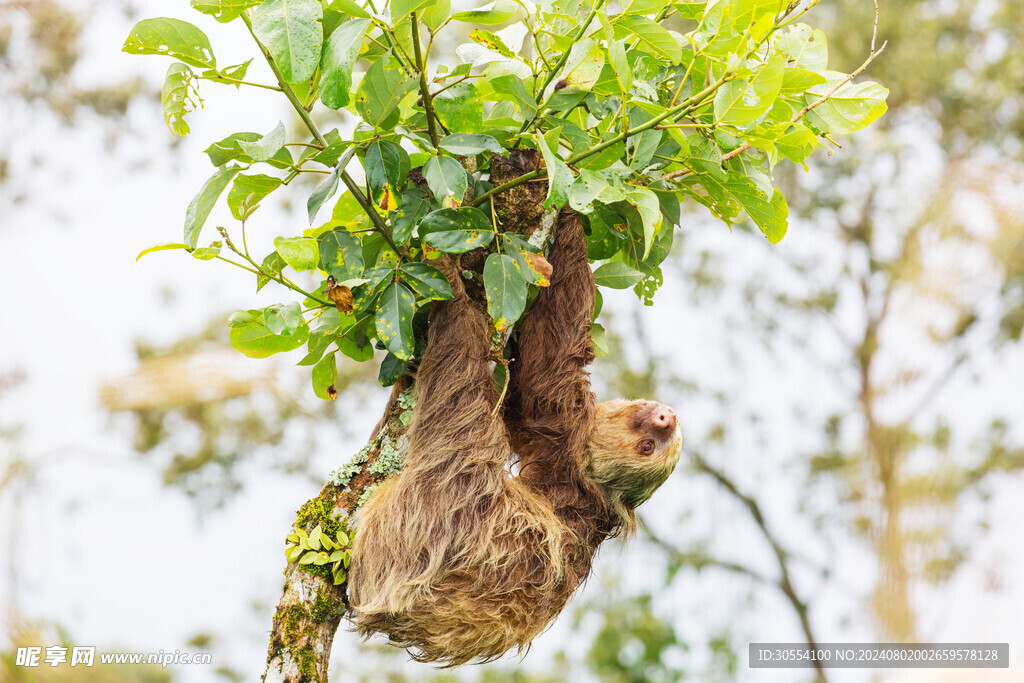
28, 635
203, 415
40, 45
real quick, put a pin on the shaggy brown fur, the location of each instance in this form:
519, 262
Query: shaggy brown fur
456, 558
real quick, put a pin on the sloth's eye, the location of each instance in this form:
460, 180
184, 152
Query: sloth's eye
647, 446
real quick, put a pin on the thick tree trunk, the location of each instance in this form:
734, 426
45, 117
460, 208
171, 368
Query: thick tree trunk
311, 606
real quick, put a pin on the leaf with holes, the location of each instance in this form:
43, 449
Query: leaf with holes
179, 97
394, 320
171, 37
223, 10
741, 102
506, 290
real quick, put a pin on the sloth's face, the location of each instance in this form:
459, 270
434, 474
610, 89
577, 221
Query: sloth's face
634, 447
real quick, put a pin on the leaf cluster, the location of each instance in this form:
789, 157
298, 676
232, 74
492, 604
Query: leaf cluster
627, 114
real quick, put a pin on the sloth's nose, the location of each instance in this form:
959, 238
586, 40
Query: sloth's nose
664, 418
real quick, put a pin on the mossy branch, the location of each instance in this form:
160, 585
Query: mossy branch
311, 605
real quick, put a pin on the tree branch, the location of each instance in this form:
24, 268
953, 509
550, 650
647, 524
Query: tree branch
428, 105
784, 583
311, 606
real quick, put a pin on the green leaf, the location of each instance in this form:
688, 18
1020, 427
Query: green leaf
301, 253
599, 340
325, 374
644, 6
272, 264
497, 12
400, 9
383, 166
414, 206
455, 231
176, 97
394, 320
391, 368
447, 180
292, 32
341, 255
339, 57
349, 7
199, 208
646, 202
559, 176
255, 340
590, 187
513, 86
283, 319
223, 10
528, 259
427, 281
248, 190
293, 553
651, 37
465, 144
796, 144
229, 149
380, 91
617, 275
805, 47
581, 71
459, 108
491, 42
506, 290
324, 191
435, 13
851, 108
171, 37
741, 102
207, 253
771, 215
162, 247
309, 558
267, 145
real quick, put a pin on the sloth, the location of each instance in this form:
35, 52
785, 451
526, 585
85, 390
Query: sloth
459, 559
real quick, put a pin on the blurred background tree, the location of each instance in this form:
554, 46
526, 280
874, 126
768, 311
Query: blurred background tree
848, 396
